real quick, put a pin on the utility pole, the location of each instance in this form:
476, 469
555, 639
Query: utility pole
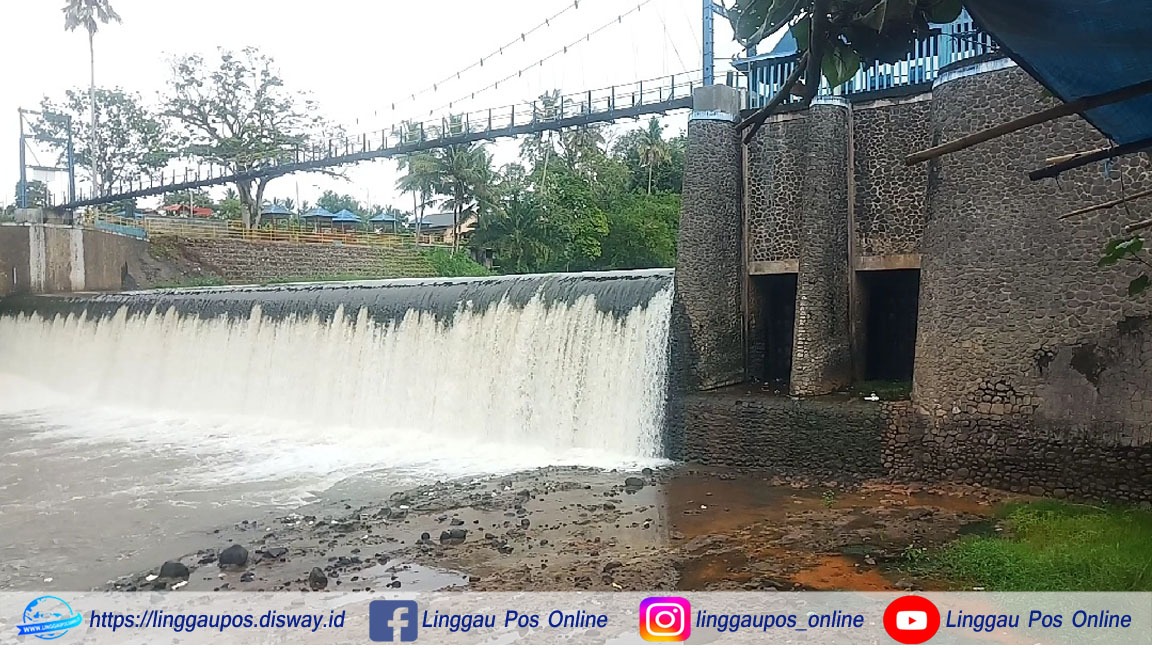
709, 42
22, 194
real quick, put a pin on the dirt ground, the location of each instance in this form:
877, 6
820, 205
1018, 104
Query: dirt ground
683, 529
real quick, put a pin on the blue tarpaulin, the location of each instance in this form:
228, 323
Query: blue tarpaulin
1078, 49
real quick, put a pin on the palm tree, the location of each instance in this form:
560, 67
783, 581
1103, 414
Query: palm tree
653, 150
465, 173
90, 14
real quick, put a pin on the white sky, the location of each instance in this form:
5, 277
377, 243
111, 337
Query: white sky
356, 58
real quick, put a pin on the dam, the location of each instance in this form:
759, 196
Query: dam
129, 415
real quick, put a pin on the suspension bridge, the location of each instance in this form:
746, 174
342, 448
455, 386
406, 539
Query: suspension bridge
760, 75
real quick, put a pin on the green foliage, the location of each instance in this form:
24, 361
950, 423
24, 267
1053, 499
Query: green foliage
455, 264
198, 198
88, 15
849, 32
1051, 546
642, 232
133, 140
334, 202
37, 194
1129, 249
237, 113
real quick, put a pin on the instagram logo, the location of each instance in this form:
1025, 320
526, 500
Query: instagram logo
665, 618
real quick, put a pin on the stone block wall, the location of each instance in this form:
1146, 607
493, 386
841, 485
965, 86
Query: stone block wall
822, 352
708, 324
1033, 366
805, 437
257, 262
889, 202
774, 206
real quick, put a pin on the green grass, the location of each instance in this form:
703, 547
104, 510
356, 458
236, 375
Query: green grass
887, 390
192, 282
1052, 546
459, 264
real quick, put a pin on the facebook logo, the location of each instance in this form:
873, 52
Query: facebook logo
392, 621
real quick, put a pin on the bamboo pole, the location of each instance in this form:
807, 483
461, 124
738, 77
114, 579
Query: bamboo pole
1047, 115
1108, 205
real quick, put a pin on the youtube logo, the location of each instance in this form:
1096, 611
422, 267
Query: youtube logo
911, 619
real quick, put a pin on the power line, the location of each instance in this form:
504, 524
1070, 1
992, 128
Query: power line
435, 87
561, 51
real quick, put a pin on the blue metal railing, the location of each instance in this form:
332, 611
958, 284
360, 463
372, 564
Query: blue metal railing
956, 41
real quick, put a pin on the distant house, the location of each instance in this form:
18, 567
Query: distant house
183, 210
439, 226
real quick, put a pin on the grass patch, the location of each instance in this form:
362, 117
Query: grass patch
333, 276
458, 264
192, 282
887, 390
1052, 547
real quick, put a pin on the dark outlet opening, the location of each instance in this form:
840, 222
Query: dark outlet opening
777, 321
891, 300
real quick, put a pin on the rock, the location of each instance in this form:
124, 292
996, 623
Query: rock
247, 577
275, 552
316, 579
234, 556
453, 536
634, 483
425, 537
456, 522
174, 570
525, 523
647, 472
615, 564
395, 584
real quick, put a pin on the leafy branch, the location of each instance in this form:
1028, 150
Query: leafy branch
1128, 249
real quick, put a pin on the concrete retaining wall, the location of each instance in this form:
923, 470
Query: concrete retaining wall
39, 258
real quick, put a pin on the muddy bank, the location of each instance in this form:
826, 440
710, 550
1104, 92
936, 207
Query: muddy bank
577, 529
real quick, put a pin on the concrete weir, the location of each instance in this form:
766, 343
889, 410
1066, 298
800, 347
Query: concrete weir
566, 364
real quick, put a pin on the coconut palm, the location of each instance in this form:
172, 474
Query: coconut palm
89, 15
653, 150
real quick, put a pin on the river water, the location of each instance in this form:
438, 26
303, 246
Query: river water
133, 426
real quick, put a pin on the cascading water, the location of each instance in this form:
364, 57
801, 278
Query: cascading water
542, 368
128, 417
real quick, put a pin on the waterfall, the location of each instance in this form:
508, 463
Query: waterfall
560, 367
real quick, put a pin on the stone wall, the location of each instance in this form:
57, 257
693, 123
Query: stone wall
889, 209
822, 354
708, 323
774, 204
1033, 366
257, 262
802, 437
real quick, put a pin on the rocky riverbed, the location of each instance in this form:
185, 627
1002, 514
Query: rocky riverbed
576, 529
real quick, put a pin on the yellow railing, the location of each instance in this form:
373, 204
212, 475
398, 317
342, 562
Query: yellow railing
232, 230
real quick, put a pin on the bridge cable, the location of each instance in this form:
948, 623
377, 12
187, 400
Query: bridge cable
563, 50
435, 87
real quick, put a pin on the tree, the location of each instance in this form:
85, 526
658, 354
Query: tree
464, 174
238, 114
89, 15
835, 37
418, 168
37, 194
334, 202
654, 163
230, 208
197, 197
133, 140
642, 232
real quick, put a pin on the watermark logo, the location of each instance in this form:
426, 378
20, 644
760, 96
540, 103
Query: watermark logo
48, 617
665, 618
911, 619
393, 621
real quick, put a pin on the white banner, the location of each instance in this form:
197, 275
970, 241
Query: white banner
576, 618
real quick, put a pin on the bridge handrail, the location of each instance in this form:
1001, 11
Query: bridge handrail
232, 230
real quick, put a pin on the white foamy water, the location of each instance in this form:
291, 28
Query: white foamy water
157, 422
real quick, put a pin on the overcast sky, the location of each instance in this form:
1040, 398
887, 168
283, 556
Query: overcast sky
356, 57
